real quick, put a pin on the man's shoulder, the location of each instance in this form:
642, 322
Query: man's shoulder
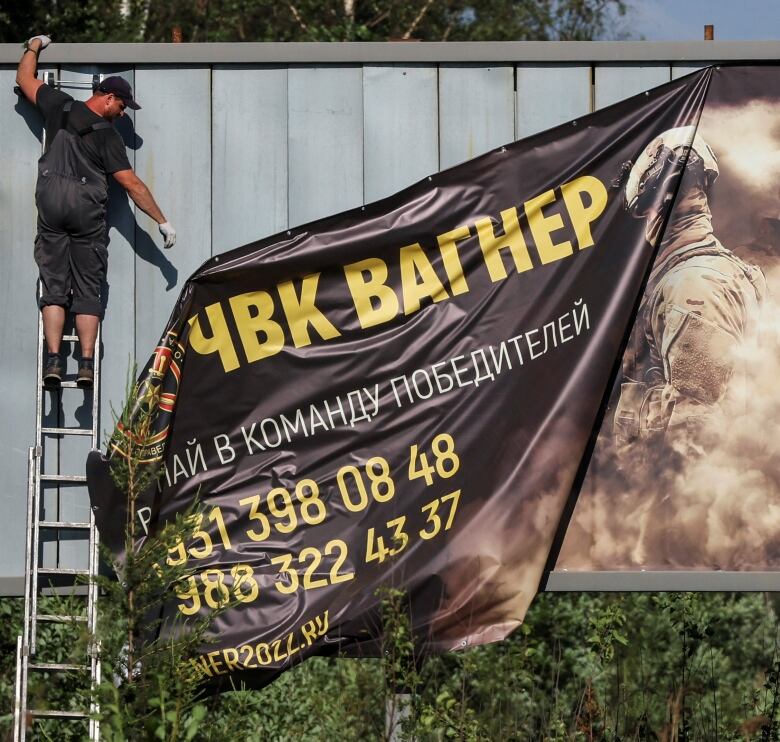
49, 99
82, 115
698, 265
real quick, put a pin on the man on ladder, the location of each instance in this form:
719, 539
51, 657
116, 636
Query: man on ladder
82, 149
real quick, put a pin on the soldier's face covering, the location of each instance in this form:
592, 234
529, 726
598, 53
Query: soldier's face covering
690, 221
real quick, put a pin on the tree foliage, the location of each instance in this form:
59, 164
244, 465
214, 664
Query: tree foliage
151, 688
312, 20
67, 21
583, 667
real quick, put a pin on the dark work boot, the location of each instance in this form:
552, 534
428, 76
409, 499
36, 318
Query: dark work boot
86, 373
53, 368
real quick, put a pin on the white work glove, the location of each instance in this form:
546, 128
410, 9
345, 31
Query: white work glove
45, 41
168, 233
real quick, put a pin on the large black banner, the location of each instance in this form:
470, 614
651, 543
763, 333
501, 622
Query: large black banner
404, 394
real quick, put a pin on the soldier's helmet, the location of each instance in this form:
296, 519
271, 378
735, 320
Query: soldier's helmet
652, 178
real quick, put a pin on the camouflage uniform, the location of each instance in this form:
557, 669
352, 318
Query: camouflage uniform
700, 303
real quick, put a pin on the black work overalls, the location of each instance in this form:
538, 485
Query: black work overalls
70, 248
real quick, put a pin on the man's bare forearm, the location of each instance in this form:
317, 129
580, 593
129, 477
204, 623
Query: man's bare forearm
25, 71
28, 64
143, 199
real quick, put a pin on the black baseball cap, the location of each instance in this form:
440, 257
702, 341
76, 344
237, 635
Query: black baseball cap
120, 88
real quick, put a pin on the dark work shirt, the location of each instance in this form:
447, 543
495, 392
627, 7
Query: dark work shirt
104, 147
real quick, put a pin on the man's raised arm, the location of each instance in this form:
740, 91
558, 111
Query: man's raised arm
28, 64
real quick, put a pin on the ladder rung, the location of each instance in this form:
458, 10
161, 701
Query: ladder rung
63, 478
45, 713
64, 385
57, 666
54, 618
67, 431
63, 571
70, 338
62, 524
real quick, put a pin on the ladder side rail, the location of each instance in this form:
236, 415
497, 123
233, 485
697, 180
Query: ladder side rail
94, 554
36, 505
18, 713
28, 554
94, 724
39, 385
23, 651
96, 390
93, 535
32, 646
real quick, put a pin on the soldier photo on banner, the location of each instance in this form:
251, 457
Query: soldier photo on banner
685, 471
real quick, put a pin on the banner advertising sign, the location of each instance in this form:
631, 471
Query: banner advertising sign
408, 394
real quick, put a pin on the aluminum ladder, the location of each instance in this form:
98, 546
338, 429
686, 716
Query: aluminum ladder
57, 579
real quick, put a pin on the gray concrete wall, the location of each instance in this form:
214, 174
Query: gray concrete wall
240, 141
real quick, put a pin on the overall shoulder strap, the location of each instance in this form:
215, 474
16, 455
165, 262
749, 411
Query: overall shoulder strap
94, 127
87, 129
65, 113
